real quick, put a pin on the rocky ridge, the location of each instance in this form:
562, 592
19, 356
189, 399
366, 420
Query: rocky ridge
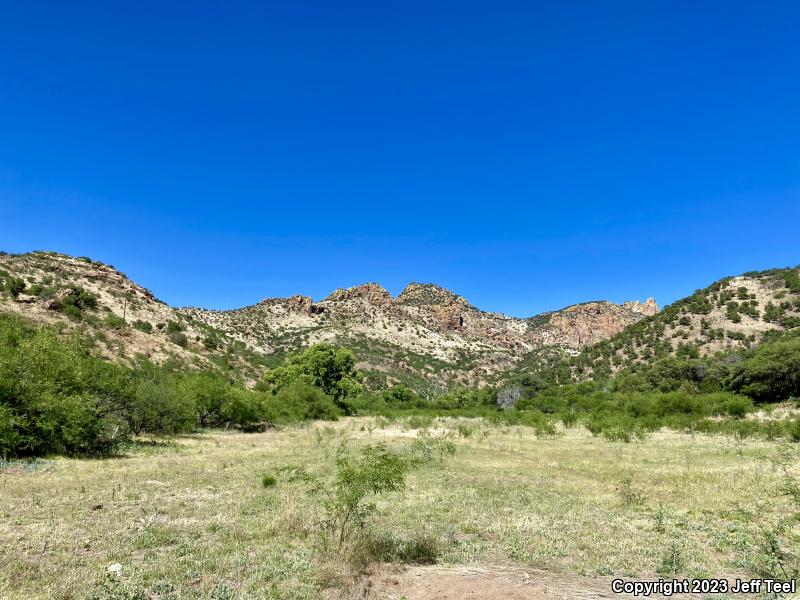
426, 333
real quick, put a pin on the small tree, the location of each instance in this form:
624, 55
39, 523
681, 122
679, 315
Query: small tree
347, 499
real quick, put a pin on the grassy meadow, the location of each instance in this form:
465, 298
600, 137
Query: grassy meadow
189, 517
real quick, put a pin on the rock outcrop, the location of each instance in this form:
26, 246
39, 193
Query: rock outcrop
647, 308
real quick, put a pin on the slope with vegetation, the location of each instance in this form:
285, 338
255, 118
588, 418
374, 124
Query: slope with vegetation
426, 333
123, 320
60, 393
732, 314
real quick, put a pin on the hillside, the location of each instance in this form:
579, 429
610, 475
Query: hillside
124, 319
425, 334
732, 314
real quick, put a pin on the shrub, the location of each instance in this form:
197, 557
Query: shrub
115, 322
770, 373
269, 481
401, 396
14, 286
143, 326
174, 327
159, 404
418, 549
55, 396
346, 499
299, 402
179, 339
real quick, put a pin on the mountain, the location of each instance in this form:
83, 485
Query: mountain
425, 334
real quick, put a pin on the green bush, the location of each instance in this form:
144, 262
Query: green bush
143, 326
300, 402
55, 395
326, 367
113, 321
174, 327
14, 286
770, 373
178, 338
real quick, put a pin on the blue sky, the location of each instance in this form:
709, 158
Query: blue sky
527, 155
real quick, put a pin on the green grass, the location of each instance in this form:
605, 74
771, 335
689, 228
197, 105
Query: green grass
193, 519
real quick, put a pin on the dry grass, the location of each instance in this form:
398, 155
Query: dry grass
192, 519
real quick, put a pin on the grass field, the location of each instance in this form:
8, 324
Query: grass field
189, 517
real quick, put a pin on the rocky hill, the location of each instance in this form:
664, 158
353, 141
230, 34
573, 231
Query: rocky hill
733, 313
124, 319
425, 334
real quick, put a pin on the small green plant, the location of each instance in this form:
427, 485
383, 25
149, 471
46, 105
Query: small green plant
347, 500
179, 339
174, 327
779, 543
418, 548
660, 519
14, 286
269, 480
673, 560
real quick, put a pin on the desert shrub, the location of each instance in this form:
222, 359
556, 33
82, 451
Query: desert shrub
143, 326
427, 447
770, 373
347, 499
178, 338
418, 422
207, 391
243, 408
160, 404
174, 327
113, 321
14, 286
508, 396
74, 301
794, 430
419, 548
269, 480
460, 398
630, 493
401, 396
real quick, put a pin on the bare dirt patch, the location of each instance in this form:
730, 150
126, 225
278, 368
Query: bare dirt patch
392, 582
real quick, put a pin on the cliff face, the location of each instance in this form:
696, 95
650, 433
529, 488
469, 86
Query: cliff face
426, 333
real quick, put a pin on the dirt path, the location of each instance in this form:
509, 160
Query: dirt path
392, 582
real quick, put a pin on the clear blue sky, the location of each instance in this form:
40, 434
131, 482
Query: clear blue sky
527, 155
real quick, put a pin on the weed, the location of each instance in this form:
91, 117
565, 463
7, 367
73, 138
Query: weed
631, 494
673, 560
